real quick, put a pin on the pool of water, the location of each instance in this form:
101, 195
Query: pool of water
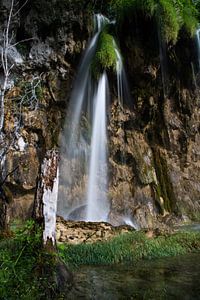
190, 227
168, 278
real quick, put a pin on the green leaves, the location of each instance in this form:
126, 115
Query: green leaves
18, 259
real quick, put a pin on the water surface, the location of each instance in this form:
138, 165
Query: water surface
168, 278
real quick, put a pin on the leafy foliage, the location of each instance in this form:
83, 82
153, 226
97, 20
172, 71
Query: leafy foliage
129, 248
21, 258
171, 15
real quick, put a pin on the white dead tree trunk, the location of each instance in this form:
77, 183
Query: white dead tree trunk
44, 213
46, 196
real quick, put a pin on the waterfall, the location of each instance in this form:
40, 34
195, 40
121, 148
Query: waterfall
82, 88
83, 189
76, 138
123, 92
97, 203
198, 46
119, 68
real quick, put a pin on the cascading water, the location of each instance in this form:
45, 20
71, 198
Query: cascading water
198, 46
82, 90
97, 203
122, 84
83, 180
75, 147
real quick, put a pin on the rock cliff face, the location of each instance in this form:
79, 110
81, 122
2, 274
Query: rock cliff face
160, 142
39, 89
154, 145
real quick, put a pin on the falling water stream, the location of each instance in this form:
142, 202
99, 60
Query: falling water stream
83, 175
97, 202
83, 190
198, 45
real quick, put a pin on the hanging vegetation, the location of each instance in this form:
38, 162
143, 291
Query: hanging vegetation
105, 56
171, 15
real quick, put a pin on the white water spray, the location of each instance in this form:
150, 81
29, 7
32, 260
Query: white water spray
198, 45
119, 68
129, 221
82, 88
97, 203
123, 93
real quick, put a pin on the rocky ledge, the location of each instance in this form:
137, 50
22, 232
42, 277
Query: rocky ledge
77, 232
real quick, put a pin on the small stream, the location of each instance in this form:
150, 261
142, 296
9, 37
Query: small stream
168, 278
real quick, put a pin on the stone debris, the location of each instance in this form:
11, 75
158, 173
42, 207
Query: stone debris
77, 232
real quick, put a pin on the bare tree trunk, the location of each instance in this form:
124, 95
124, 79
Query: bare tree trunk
45, 205
45, 214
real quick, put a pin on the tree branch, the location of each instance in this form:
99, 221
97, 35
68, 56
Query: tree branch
10, 173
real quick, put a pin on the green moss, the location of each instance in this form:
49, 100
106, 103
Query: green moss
157, 196
192, 214
171, 16
130, 248
195, 216
125, 8
105, 56
164, 188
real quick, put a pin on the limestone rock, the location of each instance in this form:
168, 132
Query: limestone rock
74, 232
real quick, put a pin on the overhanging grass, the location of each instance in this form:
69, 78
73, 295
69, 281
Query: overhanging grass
129, 248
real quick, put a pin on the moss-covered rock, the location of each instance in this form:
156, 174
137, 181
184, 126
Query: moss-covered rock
105, 57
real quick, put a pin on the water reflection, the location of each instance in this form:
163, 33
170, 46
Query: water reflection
169, 278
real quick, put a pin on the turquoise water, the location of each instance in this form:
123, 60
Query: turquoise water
169, 278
